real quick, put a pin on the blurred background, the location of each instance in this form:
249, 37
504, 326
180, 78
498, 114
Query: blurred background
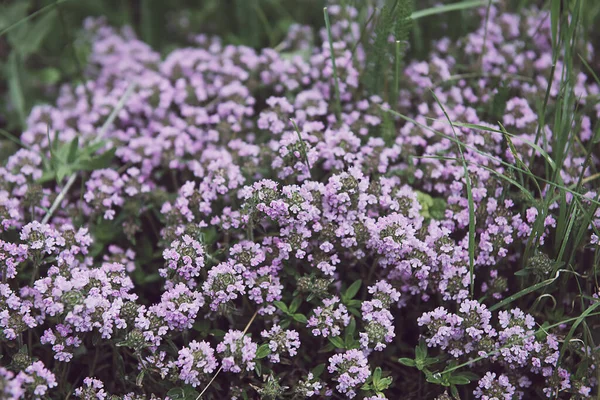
42, 44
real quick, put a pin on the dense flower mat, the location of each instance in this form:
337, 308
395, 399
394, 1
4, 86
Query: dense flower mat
235, 221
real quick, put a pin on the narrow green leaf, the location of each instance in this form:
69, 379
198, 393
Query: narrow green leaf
295, 304
338, 108
99, 162
15, 86
281, 305
300, 318
140, 378
421, 351
409, 362
352, 290
469, 198
14, 139
554, 20
263, 351
30, 37
525, 291
377, 374
463, 5
73, 149
337, 342
536, 147
318, 370
42, 10
576, 324
349, 332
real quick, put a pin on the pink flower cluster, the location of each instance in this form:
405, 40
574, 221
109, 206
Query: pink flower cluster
253, 238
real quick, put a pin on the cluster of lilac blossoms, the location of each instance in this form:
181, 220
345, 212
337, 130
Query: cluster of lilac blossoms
251, 238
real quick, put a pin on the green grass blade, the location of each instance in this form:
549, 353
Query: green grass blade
338, 107
554, 21
32, 15
589, 69
491, 157
463, 5
526, 192
302, 144
576, 324
15, 86
15, 140
469, 198
536, 147
485, 356
526, 291
398, 59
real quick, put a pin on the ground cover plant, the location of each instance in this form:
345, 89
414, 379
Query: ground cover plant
360, 210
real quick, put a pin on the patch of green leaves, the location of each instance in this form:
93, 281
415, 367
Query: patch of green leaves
377, 382
186, 392
348, 299
421, 360
263, 351
431, 207
68, 158
290, 312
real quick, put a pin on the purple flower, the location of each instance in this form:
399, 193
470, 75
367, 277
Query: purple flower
238, 352
196, 362
281, 341
330, 319
350, 371
184, 260
223, 284
92, 389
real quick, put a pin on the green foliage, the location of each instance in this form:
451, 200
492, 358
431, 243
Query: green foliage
186, 392
69, 158
290, 312
431, 207
421, 360
377, 383
393, 19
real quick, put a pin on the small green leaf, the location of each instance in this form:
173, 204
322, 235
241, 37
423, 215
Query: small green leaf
454, 392
62, 172
295, 304
15, 86
459, 380
318, 370
140, 378
354, 312
49, 75
337, 342
98, 162
523, 272
421, 351
430, 360
377, 374
383, 384
435, 378
300, 318
352, 290
73, 149
409, 362
354, 303
281, 305
263, 351
350, 329
183, 393
258, 369
468, 375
